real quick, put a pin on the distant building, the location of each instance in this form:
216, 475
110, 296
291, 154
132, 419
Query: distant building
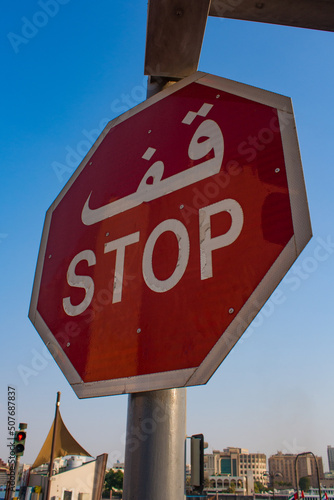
240, 485
328, 480
313, 493
118, 466
330, 455
4, 471
84, 482
212, 463
62, 464
285, 465
75, 461
236, 462
255, 463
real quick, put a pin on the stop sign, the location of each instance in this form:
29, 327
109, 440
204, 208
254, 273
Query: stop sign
170, 236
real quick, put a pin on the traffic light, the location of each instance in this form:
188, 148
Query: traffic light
19, 443
197, 461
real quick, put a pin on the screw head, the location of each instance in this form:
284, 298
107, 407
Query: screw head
68, 344
231, 310
277, 170
181, 206
138, 330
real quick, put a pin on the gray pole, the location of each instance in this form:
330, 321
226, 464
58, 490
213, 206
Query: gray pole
155, 446
317, 469
17, 464
156, 429
52, 457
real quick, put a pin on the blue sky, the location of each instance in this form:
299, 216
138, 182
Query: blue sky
83, 66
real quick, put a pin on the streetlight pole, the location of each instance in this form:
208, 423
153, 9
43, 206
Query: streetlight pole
52, 457
317, 469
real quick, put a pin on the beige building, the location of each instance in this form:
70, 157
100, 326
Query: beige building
236, 462
285, 465
84, 482
243, 485
256, 463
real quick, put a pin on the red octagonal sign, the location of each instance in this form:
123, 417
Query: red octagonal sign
170, 236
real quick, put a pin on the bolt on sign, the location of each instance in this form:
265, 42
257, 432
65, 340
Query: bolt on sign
170, 236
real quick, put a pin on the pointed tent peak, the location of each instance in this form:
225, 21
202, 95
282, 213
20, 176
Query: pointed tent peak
65, 444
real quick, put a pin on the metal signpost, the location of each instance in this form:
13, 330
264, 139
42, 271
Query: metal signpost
175, 28
155, 446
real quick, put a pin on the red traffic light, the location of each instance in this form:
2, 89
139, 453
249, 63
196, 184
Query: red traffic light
20, 436
19, 442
